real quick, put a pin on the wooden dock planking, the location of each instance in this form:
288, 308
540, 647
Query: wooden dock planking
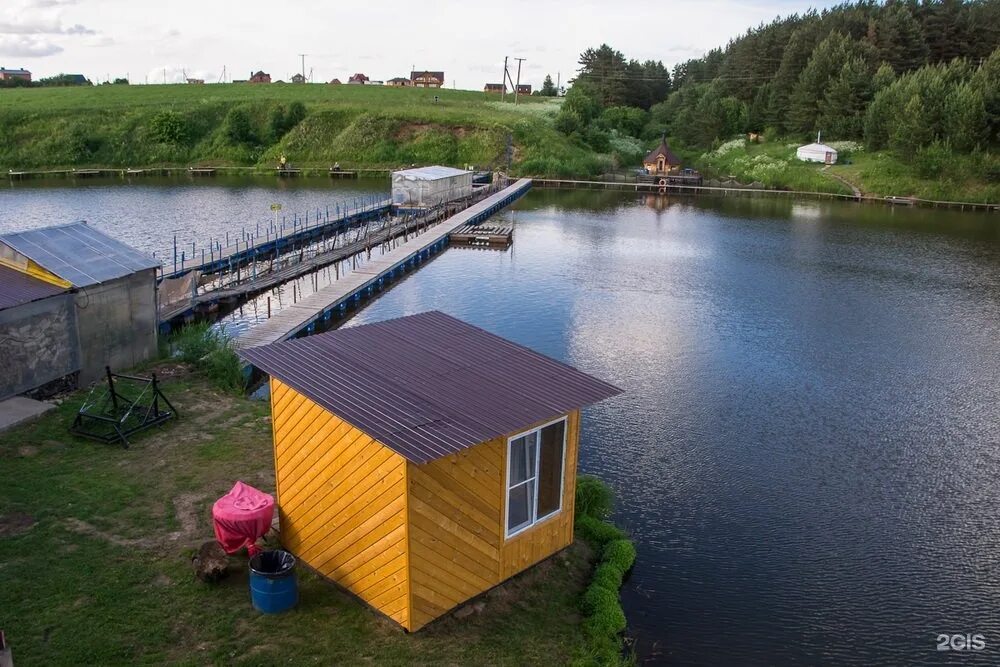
290, 320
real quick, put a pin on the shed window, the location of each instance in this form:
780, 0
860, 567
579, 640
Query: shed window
535, 468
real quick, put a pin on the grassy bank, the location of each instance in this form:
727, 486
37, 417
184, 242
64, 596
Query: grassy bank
95, 547
253, 125
773, 165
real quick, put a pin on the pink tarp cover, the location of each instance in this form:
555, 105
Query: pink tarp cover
242, 516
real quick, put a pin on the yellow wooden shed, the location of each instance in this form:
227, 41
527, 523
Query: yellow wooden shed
421, 461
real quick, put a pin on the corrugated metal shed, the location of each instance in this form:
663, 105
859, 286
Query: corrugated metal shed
79, 253
17, 288
428, 385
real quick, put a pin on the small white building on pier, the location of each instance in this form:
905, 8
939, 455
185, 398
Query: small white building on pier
425, 187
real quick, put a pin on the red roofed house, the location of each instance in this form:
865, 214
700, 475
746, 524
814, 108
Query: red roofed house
497, 88
10, 74
427, 79
359, 79
260, 77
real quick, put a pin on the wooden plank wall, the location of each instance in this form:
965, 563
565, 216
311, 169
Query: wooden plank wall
454, 514
341, 501
413, 541
456, 519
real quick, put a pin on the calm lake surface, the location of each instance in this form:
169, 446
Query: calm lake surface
808, 449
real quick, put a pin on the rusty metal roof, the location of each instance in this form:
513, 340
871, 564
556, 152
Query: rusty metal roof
17, 288
428, 385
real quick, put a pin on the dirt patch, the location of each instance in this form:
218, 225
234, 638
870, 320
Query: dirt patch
173, 369
162, 581
84, 528
27, 451
16, 523
409, 131
186, 512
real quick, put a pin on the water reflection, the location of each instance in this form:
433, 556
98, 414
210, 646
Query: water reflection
807, 446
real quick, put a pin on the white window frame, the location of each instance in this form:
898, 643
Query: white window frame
535, 521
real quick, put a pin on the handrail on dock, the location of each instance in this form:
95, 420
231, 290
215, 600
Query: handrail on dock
221, 257
303, 316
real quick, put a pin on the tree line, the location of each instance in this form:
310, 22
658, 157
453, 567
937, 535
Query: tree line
906, 75
50, 82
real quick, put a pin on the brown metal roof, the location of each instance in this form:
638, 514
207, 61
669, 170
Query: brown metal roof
17, 288
664, 150
428, 385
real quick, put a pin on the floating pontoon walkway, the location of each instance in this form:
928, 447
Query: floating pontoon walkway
302, 317
234, 254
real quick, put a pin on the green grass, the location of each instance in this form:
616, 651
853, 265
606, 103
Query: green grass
358, 126
98, 571
963, 178
771, 164
881, 174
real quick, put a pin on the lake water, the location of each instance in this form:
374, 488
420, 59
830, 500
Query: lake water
808, 449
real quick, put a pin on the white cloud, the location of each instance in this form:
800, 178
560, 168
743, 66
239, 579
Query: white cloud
177, 74
468, 40
27, 46
41, 25
45, 4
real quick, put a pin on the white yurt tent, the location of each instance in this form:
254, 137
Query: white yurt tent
817, 152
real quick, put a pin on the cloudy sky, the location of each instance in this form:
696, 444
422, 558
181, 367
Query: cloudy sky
468, 40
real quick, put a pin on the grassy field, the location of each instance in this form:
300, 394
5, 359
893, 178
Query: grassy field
773, 164
358, 126
96, 541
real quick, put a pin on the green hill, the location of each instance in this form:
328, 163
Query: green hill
253, 125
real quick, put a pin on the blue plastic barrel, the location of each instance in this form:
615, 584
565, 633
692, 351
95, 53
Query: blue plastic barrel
273, 587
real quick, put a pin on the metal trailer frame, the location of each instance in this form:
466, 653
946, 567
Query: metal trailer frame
120, 415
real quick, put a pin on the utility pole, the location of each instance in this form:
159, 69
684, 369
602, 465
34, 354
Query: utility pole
518, 84
558, 82
503, 80
303, 56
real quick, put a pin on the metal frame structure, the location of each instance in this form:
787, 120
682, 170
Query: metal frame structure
121, 415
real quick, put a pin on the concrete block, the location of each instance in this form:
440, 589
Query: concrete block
19, 409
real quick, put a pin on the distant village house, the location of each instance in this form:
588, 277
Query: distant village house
335, 82
496, 88
399, 82
14, 74
358, 79
298, 78
427, 79
260, 77
196, 81
524, 89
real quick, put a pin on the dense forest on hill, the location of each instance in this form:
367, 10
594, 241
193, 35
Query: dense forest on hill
847, 71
